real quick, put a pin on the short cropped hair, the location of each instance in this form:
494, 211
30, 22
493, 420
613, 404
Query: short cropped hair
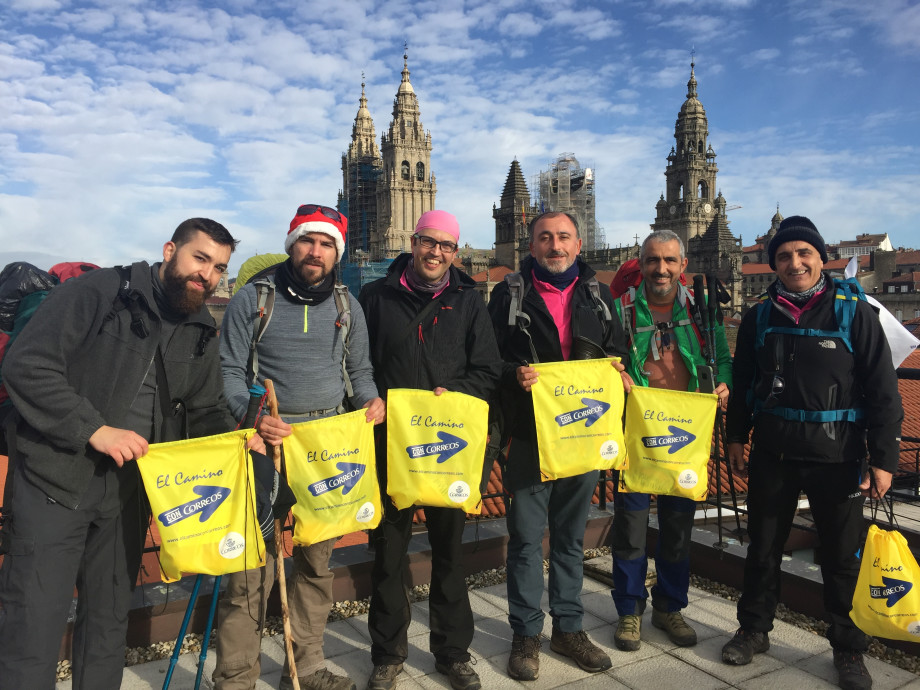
551, 214
661, 236
217, 232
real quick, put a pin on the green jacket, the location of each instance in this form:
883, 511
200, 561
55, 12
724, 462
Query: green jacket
688, 344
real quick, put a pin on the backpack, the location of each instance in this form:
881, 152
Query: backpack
628, 318
846, 294
264, 282
518, 318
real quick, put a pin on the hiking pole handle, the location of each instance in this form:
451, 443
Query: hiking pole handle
256, 393
279, 551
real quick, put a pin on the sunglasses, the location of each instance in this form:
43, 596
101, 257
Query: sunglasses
431, 243
310, 209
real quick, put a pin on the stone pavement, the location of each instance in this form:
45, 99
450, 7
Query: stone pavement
796, 659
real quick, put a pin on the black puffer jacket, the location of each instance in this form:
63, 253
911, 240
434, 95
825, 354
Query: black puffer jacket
77, 366
817, 373
516, 405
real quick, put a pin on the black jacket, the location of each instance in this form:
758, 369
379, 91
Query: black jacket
453, 346
515, 404
77, 365
817, 373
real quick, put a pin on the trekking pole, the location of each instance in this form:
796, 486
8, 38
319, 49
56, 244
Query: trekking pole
712, 292
206, 640
731, 481
279, 551
188, 614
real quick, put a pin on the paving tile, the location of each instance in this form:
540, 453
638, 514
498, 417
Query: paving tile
715, 612
791, 645
884, 676
664, 672
491, 637
785, 677
707, 656
342, 638
491, 676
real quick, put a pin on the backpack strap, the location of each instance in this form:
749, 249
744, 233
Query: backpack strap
129, 299
516, 315
343, 322
600, 305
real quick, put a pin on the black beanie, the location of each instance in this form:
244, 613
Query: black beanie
796, 228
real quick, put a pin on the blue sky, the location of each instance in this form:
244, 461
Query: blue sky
120, 118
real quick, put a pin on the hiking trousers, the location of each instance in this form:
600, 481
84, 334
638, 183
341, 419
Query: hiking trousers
52, 549
450, 614
837, 508
241, 616
563, 504
672, 556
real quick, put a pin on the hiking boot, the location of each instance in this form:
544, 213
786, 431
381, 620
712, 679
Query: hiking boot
743, 646
675, 626
524, 662
576, 645
383, 677
323, 679
626, 637
852, 673
460, 674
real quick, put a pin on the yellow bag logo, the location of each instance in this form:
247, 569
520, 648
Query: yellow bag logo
435, 448
331, 470
885, 602
578, 408
668, 442
204, 505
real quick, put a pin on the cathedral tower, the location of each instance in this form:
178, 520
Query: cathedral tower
512, 242
689, 204
407, 186
361, 168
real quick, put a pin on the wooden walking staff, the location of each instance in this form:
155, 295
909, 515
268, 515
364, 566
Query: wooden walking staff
279, 550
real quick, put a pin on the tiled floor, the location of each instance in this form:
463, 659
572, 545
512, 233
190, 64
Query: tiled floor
796, 659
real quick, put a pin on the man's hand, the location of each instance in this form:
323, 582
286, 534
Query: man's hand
256, 443
273, 430
736, 458
439, 389
122, 445
722, 391
376, 410
882, 483
526, 377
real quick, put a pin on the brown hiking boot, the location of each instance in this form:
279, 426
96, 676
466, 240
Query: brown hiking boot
675, 626
524, 662
626, 636
324, 679
585, 653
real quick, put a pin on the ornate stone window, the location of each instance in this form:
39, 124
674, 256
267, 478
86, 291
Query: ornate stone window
420, 172
405, 170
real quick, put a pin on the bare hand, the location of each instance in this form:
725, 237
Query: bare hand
122, 445
273, 430
376, 410
882, 483
256, 443
439, 389
722, 391
736, 458
526, 377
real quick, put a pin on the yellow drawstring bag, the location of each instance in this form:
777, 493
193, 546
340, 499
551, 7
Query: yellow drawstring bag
668, 441
578, 409
331, 470
203, 499
886, 602
435, 448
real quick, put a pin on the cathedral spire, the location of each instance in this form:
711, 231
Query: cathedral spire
405, 86
691, 85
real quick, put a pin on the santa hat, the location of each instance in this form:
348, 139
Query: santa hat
315, 218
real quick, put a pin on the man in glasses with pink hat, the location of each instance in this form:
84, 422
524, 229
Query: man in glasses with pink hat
302, 349
429, 330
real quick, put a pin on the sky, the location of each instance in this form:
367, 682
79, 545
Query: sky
121, 118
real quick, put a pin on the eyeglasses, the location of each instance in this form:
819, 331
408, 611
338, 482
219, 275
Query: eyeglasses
431, 243
310, 209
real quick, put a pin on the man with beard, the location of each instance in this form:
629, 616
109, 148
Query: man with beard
566, 308
301, 351
664, 352
429, 330
86, 377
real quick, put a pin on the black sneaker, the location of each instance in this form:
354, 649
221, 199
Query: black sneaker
743, 646
852, 673
460, 674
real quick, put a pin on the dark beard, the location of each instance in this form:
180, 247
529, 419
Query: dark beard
181, 299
